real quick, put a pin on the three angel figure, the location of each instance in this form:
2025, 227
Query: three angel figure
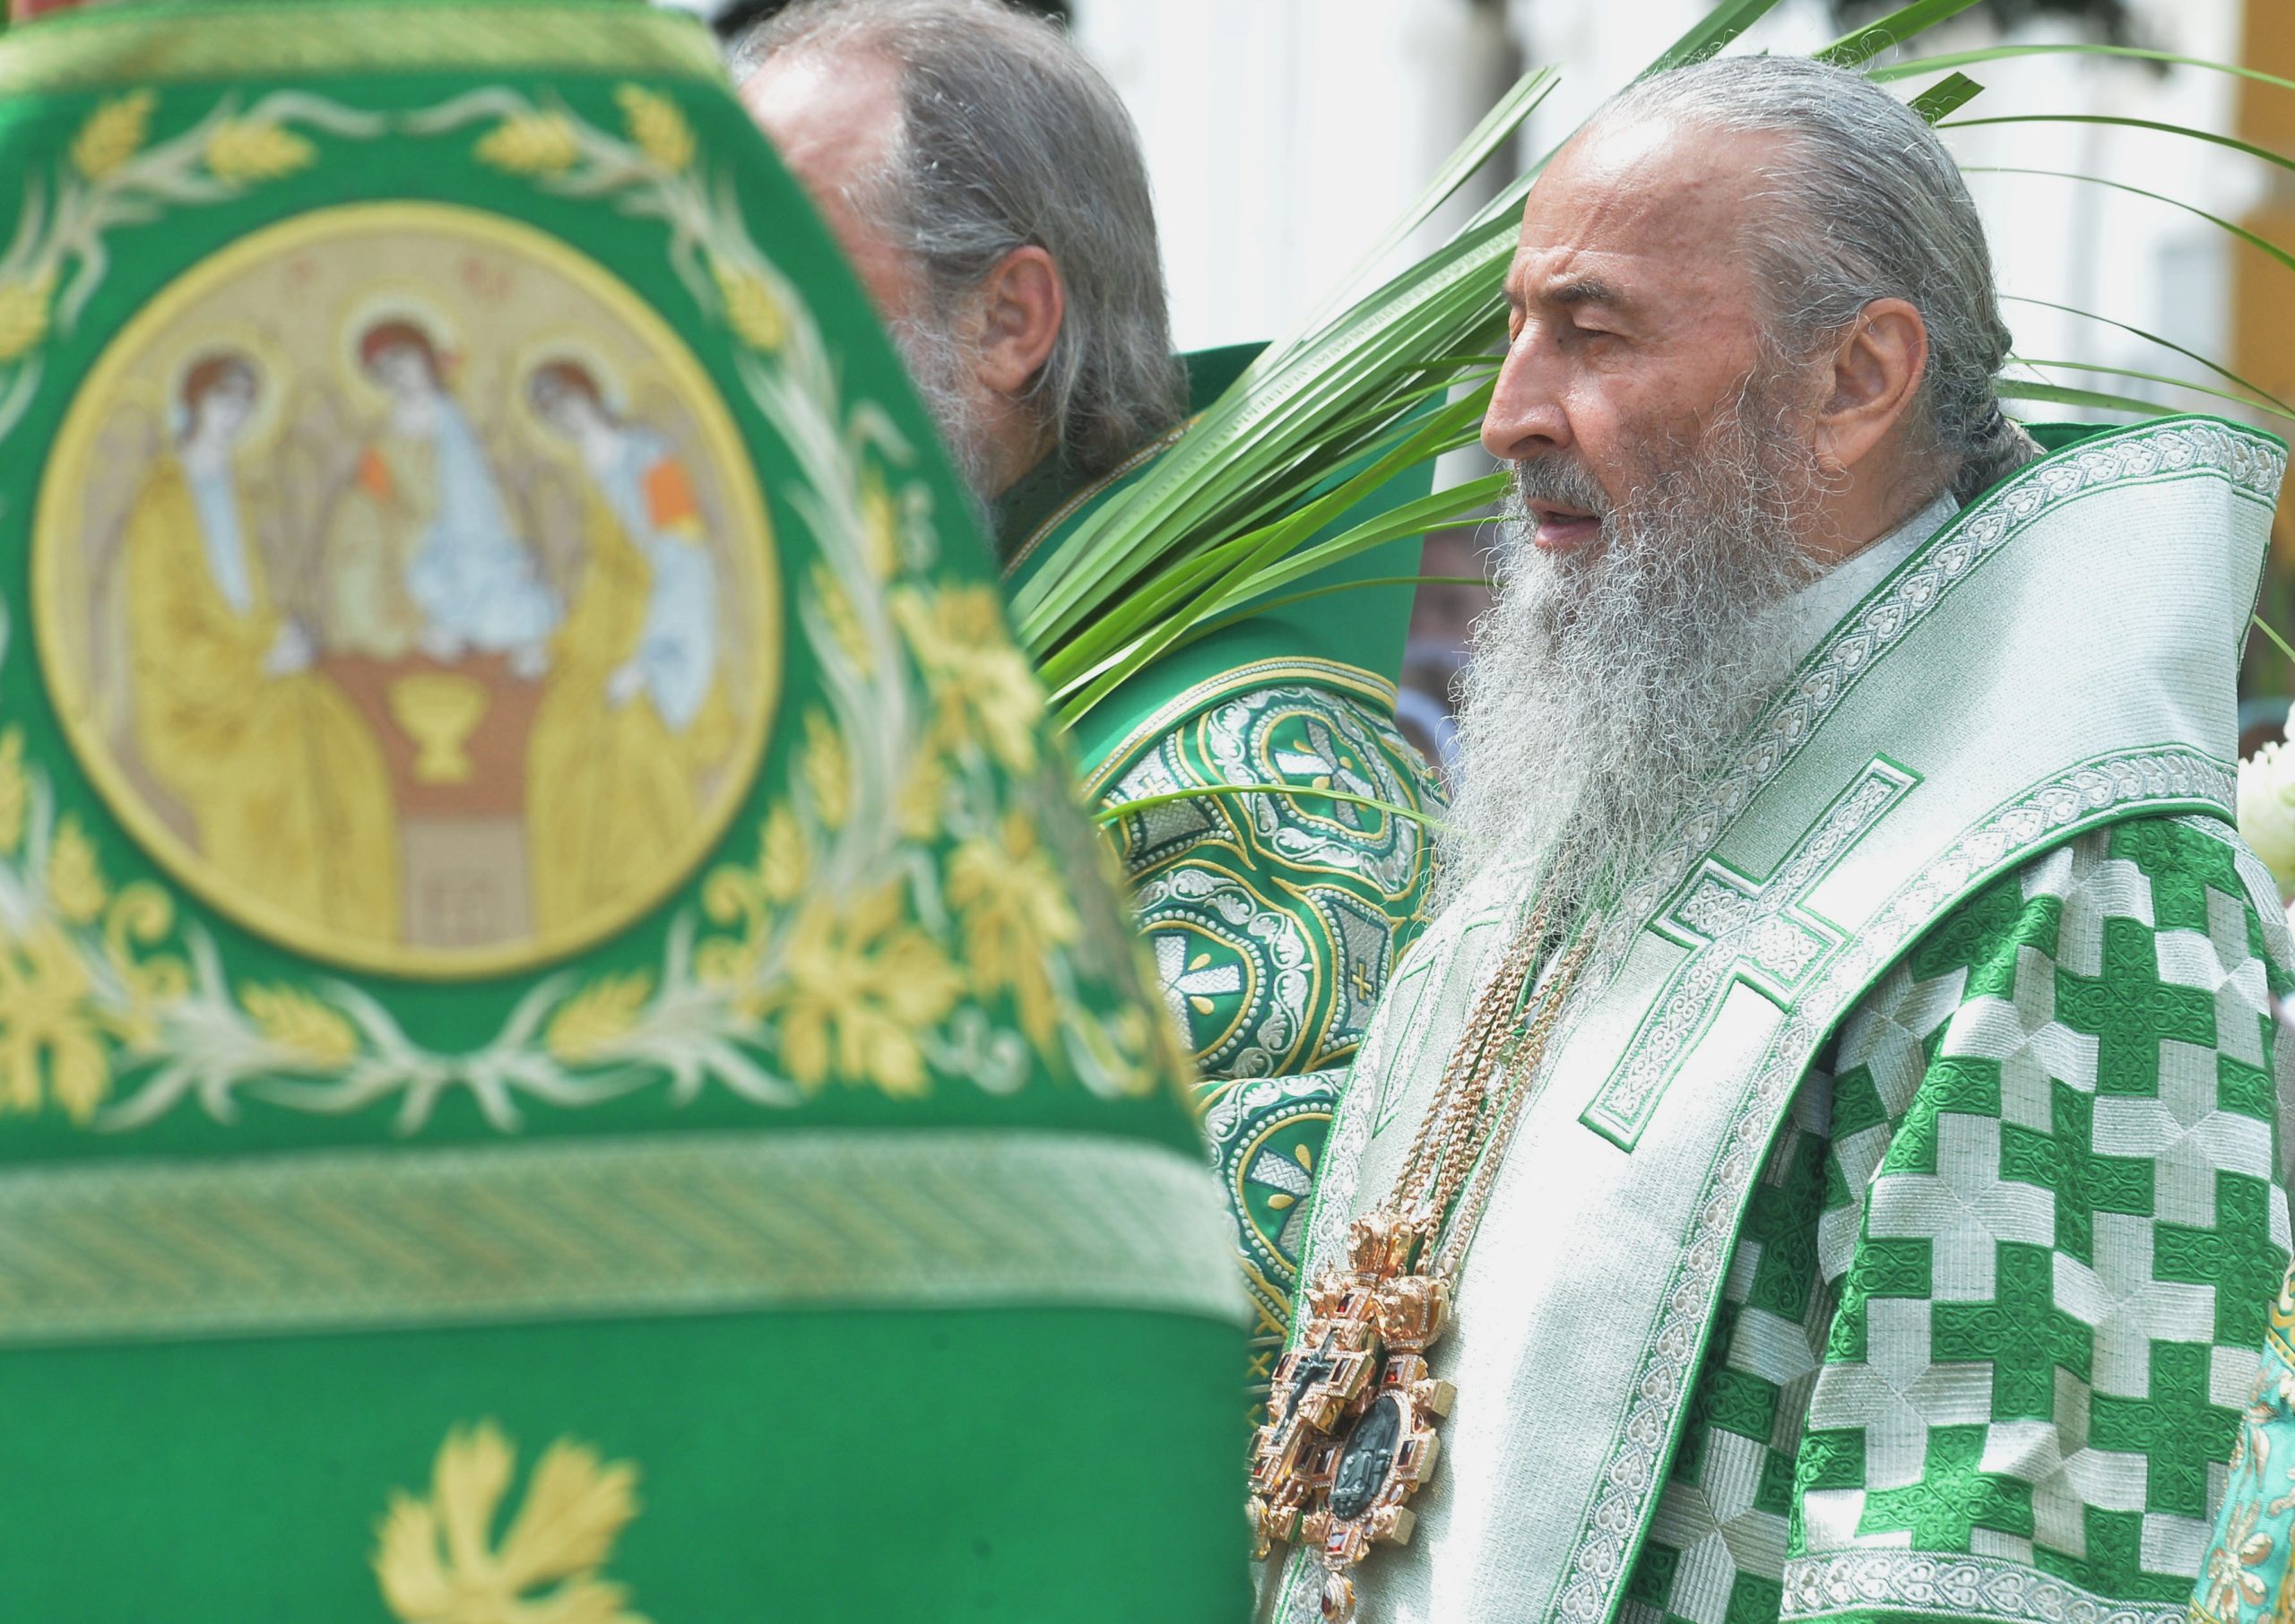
237, 708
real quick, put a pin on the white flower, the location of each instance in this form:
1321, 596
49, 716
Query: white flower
2267, 812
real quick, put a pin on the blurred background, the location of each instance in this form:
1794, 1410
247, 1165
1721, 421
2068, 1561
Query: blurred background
1283, 136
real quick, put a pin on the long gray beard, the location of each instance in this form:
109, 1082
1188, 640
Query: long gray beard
1610, 683
938, 366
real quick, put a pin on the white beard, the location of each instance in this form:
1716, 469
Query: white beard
941, 368
1609, 683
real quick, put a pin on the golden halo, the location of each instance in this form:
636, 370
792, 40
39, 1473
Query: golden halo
273, 373
411, 304
562, 345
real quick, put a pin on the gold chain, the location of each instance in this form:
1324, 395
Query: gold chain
1527, 1059
1484, 1087
1370, 1320
1440, 1141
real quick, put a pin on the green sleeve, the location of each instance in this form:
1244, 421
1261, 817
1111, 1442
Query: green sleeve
1995, 1309
2063, 1253
1275, 920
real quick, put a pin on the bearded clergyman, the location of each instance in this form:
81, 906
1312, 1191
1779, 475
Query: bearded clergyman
1822, 1163
988, 185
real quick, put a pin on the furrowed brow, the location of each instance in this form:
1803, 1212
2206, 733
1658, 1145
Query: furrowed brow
1583, 291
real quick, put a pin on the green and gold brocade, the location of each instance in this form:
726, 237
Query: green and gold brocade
1274, 913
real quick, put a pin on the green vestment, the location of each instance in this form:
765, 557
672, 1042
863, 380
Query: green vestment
1890, 1231
564, 1051
1275, 919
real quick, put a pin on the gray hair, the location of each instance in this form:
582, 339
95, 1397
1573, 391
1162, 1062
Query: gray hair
1865, 205
1011, 137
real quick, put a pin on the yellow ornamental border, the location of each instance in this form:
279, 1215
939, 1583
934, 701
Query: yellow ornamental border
98, 48
55, 527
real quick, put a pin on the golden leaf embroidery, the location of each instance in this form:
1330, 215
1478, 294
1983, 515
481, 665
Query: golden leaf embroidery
982, 684
23, 313
844, 621
656, 126
1015, 914
531, 143
113, 134
587, 1023
141, 915
299, 1024
241, 150
49, 1046
2228, 1576
857, 989
783, 860
880, 527
922, 803
74, 883
436, 1561
752, 309
826, 771
15, 791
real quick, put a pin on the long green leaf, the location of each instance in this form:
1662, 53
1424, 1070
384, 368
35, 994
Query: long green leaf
1852, 49
2265, 627
2016, 389
2002, 52
2232, 141
1282, 537
1711, 31
2251, 238
1163, 591
1246, 597
1946, 96
2225, 372
1405, 519
1497, 127
2154, 377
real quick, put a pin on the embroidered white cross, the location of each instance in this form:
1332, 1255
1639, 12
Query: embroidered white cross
1963, 1210
1897, 1394
1182, 984
1739, 929
2129, 1309
1714, 1525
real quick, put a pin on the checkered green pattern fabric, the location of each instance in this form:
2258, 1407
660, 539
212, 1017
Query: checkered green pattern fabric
1275, 921
1995, 1308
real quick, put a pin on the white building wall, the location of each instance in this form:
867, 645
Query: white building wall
1284, 135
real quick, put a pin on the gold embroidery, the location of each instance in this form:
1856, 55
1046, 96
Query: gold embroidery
434, 1561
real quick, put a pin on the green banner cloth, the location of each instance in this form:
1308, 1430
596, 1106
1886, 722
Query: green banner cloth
565, 1053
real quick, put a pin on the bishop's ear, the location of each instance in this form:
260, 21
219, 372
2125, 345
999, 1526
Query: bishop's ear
1876, 374
1022, 302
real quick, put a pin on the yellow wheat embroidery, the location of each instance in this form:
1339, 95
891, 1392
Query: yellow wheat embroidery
438, 1563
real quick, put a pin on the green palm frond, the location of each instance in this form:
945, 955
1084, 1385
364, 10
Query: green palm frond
1919, 66
2280, 407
